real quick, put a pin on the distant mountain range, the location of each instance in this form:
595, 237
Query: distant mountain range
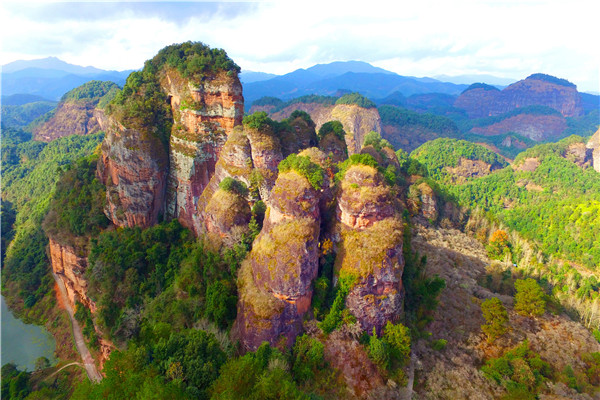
51, 78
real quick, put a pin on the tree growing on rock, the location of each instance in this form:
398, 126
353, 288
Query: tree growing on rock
496, 317
530, 299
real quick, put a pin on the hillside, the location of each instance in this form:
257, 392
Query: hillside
74, 114
292, 253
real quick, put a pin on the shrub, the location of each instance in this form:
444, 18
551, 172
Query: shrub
398, 339
356, 98
311, 171
334, 127
355, 159
530, 299
308, 357
496, 317
232, 185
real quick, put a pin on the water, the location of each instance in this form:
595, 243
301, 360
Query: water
23, 343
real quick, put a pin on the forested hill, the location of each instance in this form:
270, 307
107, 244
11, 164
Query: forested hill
548, 195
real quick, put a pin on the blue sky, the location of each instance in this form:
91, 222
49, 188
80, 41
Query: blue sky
509, 39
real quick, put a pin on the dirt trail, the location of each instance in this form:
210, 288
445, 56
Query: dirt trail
88, 360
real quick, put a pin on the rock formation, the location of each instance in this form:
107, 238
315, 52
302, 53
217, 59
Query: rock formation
74, 115
537, 89
357, 121
204, 114
161, 160
594, 145
275, 281
134, 168
535, 127
369, 248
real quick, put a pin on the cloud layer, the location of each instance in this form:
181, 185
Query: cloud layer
425, 38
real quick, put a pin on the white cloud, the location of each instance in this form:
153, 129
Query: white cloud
508, 38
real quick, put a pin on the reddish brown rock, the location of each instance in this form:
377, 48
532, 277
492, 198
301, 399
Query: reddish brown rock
266, 155
472, 168
534, 90
594, 145
133, 166
357, 121
225, 211
369, 248
70, 118
70, 264
204, 114
275, 281
535, 127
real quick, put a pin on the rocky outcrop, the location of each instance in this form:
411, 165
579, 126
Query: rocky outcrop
536, 89
70, 118
301, 136
70, 264
423, 201
369, 248
225, 211
204, 114
134, 168
594, 145
472, 168
275, 281
579, 154
74, 115
266, 155
535, 127
357, 121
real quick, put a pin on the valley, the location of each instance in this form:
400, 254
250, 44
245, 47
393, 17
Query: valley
337, 232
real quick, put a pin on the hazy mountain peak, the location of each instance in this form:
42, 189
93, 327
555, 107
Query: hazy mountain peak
53, 63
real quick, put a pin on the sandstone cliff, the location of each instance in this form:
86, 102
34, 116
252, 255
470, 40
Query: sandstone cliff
165, 131
594, 145
134, 168
535, 127
357, 121
204, 114
275, 281
537, 89
369, 249
69, 265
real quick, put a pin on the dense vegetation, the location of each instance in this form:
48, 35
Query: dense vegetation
551, 79
356, 98
77, 207
267, 101
440, 153
483, 86
20, 116
30, 172
310, 98
467, 125
302, 165
92, 90
194, 60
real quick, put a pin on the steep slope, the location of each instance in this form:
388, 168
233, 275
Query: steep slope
74, 114
275, 282
164, 133
594, 145
481, 100
357, 120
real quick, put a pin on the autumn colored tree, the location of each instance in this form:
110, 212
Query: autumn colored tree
530, 299
498, 245
496, 317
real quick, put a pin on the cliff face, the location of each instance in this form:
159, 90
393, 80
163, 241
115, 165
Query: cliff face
134, 168
357, 121
275, 282
69, 265
481, 102
594, 145
535, 127
204, 115
266, 155
162, 159
370, 247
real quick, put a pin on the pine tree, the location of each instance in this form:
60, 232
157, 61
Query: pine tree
530, 299
496, 317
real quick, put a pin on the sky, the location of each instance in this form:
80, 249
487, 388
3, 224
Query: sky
509, 39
